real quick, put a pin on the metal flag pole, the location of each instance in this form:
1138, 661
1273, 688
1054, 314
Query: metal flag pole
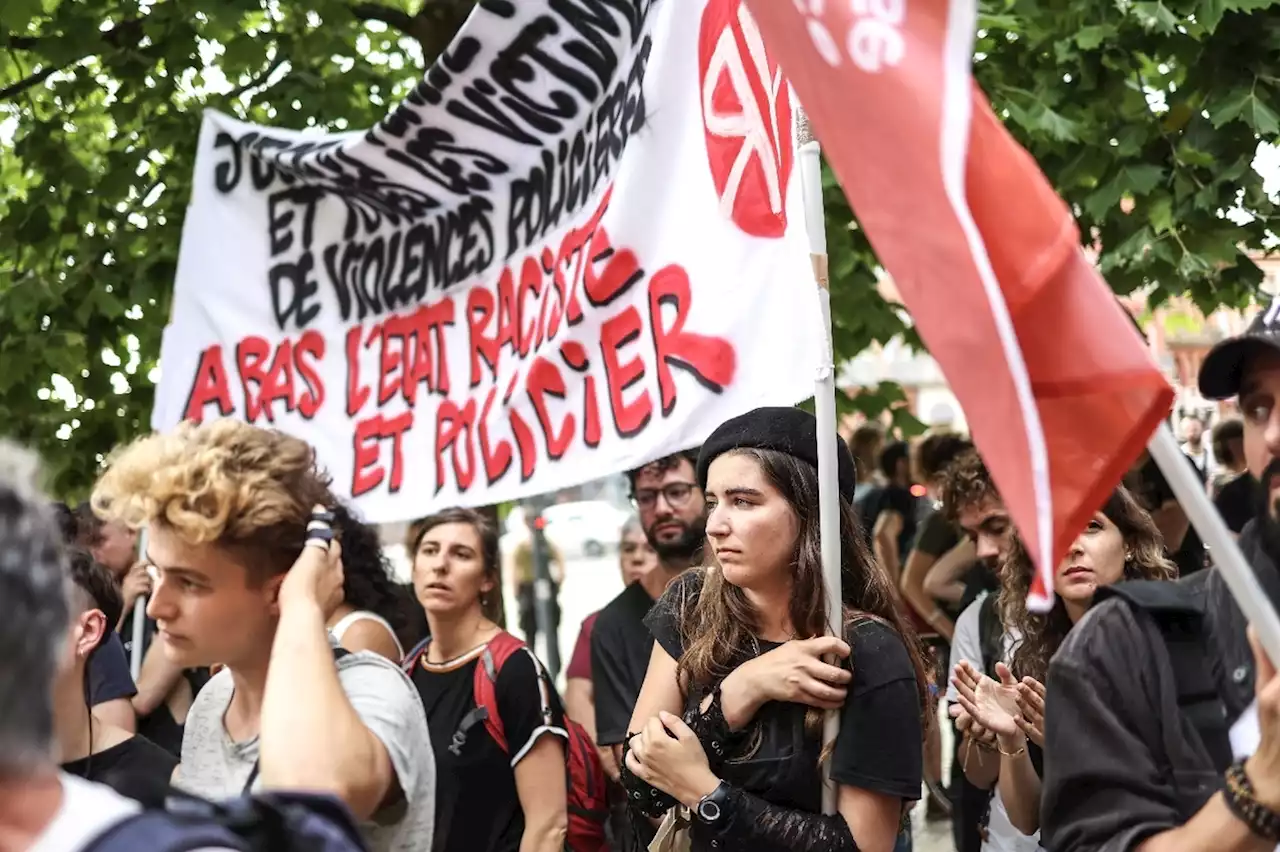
139, 616
824, 404
1227, 558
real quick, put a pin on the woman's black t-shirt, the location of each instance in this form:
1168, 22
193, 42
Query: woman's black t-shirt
477, 806
879, 747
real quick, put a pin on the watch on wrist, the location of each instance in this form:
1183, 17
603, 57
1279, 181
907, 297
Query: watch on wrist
710, 808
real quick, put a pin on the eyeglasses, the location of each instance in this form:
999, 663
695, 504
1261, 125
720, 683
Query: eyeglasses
676, 494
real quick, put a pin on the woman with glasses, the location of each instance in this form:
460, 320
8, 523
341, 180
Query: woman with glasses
740, 651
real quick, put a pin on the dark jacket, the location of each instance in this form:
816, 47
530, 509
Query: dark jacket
1121, 761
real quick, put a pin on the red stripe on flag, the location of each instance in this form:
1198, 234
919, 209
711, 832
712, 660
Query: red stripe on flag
1060, 394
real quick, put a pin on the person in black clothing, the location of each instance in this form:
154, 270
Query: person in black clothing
1148, 485
673, 515
488, 798
890, 513
935, 537
1234, 491
110, 684
738, 649
164, 692
1173, 775
89, 748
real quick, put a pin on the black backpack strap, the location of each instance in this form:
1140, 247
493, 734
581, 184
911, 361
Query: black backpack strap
991, 633
1178, 610
469, 721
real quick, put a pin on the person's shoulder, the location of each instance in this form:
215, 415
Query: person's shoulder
626, 607
150, 752
687, 587
211, 701
520, 668
368, 670
1097, 638
878, 652
682, 593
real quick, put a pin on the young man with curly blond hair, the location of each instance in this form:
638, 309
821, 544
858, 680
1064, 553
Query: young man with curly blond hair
226, 507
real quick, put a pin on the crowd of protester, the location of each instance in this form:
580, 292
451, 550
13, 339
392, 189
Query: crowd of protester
287, 676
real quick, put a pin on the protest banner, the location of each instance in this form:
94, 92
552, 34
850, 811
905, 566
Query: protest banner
577, 246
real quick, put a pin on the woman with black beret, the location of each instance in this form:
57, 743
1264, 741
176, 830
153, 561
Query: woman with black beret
740, 652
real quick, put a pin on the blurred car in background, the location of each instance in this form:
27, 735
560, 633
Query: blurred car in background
587, 528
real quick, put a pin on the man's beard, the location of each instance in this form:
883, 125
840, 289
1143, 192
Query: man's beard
1267, 513
684, 549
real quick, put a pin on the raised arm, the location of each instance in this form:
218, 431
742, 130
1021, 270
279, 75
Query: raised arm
944, 580
304, 702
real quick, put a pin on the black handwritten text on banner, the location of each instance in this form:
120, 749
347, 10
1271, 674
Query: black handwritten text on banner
568, 252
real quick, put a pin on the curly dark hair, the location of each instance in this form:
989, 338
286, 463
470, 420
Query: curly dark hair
664, 464
965, 482
937, 451
367, 579
1043, 633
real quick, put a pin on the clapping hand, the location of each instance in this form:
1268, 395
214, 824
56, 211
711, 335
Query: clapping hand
1031, 709
992, 704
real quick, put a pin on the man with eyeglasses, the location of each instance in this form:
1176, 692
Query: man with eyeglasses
673, 514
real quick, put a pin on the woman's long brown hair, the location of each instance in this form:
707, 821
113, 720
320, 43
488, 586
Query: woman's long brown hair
1043, 633
719, 630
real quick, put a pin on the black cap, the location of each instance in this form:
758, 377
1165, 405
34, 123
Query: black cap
1223, 367
786, 430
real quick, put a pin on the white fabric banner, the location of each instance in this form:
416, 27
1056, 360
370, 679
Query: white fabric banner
578, 246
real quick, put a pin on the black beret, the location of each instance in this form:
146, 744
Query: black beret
786, 430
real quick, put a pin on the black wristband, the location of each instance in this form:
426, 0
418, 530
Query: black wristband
641, 795
712, 730
1241, 801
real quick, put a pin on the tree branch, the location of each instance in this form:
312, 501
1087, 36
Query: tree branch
126, 34
396, 18
260, 78
33, 80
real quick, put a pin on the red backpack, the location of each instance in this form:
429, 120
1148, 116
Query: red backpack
584, 776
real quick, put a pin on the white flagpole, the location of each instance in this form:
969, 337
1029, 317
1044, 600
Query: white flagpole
1227, 558
824, 404
139, 616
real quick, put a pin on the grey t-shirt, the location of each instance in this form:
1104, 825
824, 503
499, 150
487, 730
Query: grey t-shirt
215, 767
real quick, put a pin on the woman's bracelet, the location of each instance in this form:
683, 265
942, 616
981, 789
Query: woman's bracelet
1015, 753
1242, 802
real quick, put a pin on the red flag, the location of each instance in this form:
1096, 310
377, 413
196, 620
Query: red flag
1059, 392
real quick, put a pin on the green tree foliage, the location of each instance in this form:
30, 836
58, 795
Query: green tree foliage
100, 106
1152, 107
103, 101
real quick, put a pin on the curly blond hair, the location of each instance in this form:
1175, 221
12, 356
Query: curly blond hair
1042, 633
223, 482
